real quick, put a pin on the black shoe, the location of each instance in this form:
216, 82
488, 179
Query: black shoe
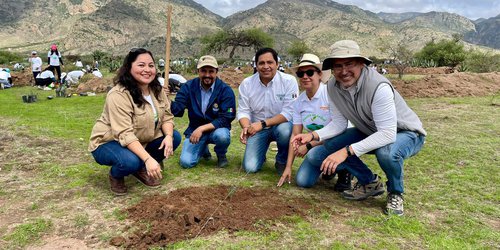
280, 168
222, 161
207, 156
343, 181
327, 177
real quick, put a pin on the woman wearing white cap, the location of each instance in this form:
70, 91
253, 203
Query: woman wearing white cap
310, 112
36, 64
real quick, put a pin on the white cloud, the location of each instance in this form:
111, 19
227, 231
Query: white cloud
470, 9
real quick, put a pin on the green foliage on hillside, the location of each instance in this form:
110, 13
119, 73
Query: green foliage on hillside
298, 48
7, 57
480, 62
445, 52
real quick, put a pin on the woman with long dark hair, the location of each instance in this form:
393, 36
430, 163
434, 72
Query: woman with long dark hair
55, 61
136, 129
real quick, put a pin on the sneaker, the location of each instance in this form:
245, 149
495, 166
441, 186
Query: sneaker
361, 192
143, 177
222, 161
343, 181
394, 204
117, 185
280, 168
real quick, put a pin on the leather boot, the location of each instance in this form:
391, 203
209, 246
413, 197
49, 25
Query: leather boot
117, 185
143, 177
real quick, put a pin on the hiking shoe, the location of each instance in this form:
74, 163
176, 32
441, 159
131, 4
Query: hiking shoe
207, 156
222, 161
343, 181
280, 168
117, 185
143, 177
394, 204
361, 192
327, 177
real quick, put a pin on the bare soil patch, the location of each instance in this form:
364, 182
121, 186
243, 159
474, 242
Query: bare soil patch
200, 211
450, 85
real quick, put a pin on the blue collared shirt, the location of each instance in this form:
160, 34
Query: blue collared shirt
205, 96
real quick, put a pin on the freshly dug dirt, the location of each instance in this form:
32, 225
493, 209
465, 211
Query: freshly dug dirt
450, 85
199, 211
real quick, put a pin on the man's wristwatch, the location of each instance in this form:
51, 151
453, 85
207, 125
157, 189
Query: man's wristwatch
263, 123
309, 146
348, 150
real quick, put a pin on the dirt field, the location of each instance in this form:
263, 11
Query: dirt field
182, 214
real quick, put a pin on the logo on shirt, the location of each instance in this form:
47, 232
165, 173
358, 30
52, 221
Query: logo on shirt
294, 95
281, 97
215, 107
230, 110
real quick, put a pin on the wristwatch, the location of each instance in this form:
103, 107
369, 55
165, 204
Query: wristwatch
348, 150
263, 123
309, 146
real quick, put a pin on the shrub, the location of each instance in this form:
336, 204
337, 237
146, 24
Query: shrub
7, 57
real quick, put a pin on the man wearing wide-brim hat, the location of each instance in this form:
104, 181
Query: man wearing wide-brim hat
384, 125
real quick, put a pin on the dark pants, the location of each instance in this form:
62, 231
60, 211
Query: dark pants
58, 70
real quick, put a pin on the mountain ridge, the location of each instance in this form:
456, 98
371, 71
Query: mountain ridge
114, 26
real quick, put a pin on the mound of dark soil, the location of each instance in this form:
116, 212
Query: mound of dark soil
198, 211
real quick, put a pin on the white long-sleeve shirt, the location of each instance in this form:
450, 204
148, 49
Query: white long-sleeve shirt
257, 101
384, 116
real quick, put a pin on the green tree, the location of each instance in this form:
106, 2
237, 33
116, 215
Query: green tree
231, 39
297, 49
399, 53
444, 53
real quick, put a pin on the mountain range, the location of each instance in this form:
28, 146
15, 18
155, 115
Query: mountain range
115, 26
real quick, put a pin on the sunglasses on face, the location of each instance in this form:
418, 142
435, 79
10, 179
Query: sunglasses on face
309, 73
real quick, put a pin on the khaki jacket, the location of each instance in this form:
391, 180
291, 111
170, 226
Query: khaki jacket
123, 121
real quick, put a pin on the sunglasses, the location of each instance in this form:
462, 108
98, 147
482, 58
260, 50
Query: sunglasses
309, 73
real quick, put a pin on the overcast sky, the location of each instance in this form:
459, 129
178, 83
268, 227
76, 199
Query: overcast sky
472, 9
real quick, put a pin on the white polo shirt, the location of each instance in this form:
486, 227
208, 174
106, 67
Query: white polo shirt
54, 58
312, 114
257, 101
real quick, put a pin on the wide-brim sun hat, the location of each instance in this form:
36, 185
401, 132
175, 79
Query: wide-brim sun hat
312, 60
344, 49
207, 61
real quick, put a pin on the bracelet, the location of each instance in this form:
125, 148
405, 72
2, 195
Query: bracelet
146, 160
312, 134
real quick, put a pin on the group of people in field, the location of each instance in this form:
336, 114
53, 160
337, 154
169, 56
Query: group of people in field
347, 109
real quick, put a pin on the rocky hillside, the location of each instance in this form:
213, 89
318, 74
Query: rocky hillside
487, 33
82, 26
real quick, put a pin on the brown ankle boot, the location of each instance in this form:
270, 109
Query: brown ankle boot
143, 177
117, 185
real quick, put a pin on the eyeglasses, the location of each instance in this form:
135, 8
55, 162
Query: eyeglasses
309, 73
347, 66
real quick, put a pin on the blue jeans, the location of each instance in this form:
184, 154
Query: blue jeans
123, 161
257, 145
191, 153
390, 158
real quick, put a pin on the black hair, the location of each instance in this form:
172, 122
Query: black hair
54, 51
266, 50
125, 78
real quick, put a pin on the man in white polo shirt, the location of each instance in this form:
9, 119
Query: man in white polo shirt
265, 111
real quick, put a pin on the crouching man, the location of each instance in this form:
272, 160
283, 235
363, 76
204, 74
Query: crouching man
384, 125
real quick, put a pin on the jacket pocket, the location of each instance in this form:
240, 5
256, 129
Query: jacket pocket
140, 119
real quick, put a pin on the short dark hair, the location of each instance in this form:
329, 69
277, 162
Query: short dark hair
266, 50
125, 78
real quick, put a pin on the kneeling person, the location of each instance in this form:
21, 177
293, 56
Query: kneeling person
211, 107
